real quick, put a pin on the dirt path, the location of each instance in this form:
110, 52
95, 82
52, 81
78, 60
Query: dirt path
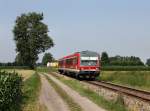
49, 97
85, 103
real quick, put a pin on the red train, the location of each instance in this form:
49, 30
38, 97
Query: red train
85, 64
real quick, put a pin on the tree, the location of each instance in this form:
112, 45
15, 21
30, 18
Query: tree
31, 38
18, 60
47, 58
104, 58
126, 61
148, 62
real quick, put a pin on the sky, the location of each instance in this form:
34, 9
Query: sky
119, 27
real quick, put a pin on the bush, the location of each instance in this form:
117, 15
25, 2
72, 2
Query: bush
10, 91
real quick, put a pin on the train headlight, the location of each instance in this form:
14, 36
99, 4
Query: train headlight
81, 68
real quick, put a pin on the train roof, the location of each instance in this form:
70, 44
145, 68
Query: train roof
82, 53
89, 53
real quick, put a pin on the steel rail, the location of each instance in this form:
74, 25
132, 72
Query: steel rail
144, 95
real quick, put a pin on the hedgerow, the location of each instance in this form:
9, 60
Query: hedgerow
10, 91
125, 68
14, 67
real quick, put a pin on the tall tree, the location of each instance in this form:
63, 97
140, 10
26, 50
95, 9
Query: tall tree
18, 60
31, 37
47, 58
148, 62
104, 58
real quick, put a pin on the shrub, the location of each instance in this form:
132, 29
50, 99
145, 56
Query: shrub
10, 91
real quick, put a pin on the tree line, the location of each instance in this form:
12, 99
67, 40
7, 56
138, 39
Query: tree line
47, 57
122, 60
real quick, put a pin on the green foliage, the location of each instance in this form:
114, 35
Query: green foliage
120, 61
14, 67
8, 64
125, 68
31, 38
10, 91
126, 61
47, 58
104, 59
46, 69
137, 79
148, 62
31, 88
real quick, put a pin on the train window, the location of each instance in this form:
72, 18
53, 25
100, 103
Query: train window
74, 61
69, 61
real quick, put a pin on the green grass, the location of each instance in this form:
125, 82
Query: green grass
46, 69
136, 79
31, 90
125, 68
72, 105
93, 96
14, 67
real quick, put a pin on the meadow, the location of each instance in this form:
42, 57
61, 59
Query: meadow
24, 73
136, 79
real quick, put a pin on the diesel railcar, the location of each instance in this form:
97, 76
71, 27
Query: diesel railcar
85, 64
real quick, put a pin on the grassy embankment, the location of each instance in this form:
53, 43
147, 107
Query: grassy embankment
136, 79
31, 89
71, 104
125, 68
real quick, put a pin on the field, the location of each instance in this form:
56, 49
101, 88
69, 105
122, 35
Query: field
125, 68
136, 79
23, 72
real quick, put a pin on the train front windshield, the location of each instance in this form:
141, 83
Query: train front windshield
89, 61
88, 58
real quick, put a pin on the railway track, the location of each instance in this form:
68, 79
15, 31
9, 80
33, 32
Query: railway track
144, 95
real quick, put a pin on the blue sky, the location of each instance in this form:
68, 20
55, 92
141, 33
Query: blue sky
119, 27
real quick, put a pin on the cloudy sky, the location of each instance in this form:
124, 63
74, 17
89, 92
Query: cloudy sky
119, 27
